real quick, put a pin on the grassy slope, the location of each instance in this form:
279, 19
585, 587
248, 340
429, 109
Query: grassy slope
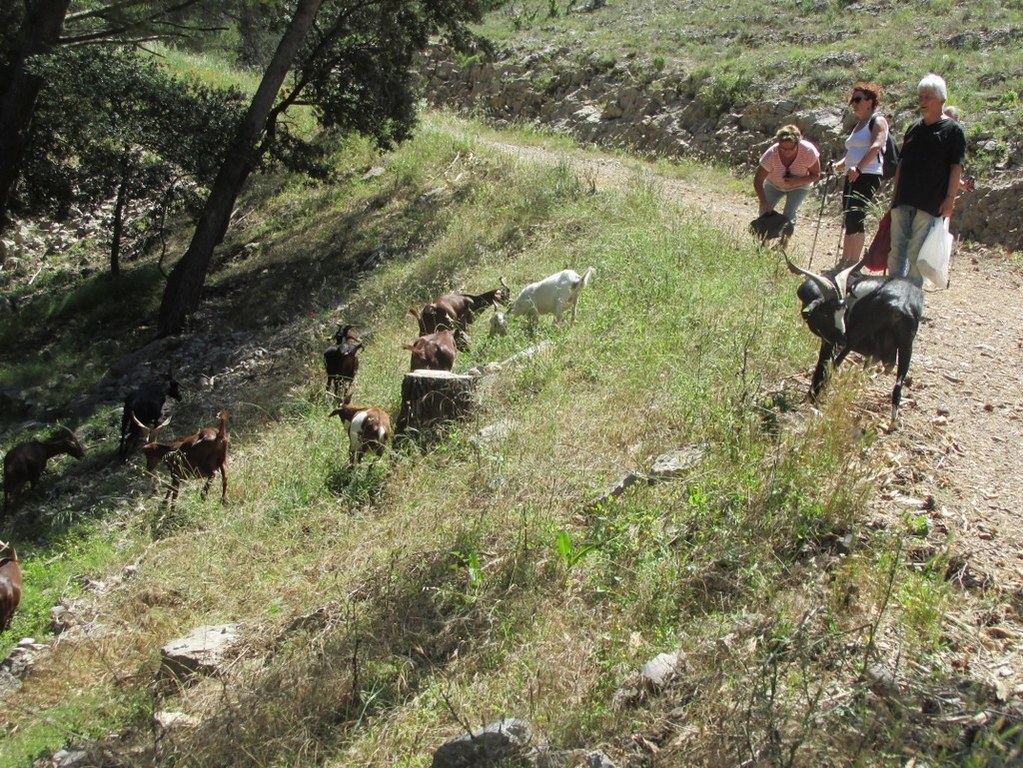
438, 569
441, 566
738, 50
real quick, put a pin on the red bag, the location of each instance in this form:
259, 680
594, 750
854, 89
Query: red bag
877, 253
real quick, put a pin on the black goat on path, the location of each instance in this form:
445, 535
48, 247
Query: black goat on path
875, 316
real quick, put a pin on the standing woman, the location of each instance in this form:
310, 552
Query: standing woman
789, 168
862, 164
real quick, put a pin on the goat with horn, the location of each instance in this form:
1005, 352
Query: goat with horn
877, 317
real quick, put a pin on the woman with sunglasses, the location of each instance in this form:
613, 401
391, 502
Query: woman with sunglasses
862, 164
789, 168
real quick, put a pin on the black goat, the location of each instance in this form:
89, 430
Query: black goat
342, 362
875, 316
145, 405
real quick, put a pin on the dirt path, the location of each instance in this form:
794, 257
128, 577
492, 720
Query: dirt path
957, 458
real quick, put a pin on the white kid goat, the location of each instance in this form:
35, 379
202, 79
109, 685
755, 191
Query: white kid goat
553, 295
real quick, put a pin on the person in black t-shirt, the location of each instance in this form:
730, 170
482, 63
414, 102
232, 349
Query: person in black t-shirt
927, 179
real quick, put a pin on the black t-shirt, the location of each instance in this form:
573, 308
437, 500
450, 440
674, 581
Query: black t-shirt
927, 155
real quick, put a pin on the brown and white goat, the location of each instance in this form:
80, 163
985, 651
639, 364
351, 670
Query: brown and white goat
434, 351
200, 455
10, 584
342, 362
25, 462
455, 311
369, 429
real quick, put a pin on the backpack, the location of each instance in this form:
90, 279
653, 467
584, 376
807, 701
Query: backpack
771, 225
889, 154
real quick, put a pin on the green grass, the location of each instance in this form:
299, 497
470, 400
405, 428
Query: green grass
670, 349
454, 580
738, 52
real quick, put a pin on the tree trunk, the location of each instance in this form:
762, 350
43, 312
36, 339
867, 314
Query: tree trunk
430, 397
119, 205
39, 33
184, 286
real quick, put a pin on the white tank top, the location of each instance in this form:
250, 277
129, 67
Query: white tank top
856, 147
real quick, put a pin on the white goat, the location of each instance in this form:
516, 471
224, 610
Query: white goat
551, 296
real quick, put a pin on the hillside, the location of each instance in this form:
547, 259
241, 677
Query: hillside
816, 589
713, 82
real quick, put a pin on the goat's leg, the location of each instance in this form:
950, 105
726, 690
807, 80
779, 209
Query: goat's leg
820, 373
905, 353
206, 487
223, 483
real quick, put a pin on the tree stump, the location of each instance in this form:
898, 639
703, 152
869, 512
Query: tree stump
430, 397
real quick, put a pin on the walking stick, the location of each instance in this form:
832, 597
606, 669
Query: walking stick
820, 215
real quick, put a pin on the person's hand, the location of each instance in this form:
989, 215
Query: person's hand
853, 173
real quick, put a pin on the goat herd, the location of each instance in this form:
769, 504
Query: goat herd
874, 316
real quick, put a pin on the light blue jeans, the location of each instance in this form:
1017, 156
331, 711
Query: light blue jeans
793, 198
910, 226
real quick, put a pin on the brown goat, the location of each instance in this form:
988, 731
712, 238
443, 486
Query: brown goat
200, 455
369, 429
455, 311
10, 584
435, 351
25, 462
342, 362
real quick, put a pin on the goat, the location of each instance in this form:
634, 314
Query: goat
200, 455
10, 584
342, 362
553, 295
145, 405
368, 429
877, 317
455, 311
25, 462
434, 351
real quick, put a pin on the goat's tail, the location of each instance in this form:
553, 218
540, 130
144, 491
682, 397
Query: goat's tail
578, 287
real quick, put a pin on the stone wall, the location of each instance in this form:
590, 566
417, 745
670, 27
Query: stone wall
663, 115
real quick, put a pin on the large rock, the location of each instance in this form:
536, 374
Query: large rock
203, 651
507, 739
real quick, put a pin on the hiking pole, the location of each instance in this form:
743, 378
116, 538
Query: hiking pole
820, 215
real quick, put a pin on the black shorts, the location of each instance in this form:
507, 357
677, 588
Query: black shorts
856, 197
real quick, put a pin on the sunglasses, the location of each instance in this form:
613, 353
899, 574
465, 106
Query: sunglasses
858, 99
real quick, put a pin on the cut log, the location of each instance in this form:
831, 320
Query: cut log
430, 397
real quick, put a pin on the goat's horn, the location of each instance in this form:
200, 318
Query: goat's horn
825, 283
504, 284
842, 278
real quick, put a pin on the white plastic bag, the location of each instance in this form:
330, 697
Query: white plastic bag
935, 253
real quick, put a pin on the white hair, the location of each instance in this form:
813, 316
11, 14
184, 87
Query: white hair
935, 84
